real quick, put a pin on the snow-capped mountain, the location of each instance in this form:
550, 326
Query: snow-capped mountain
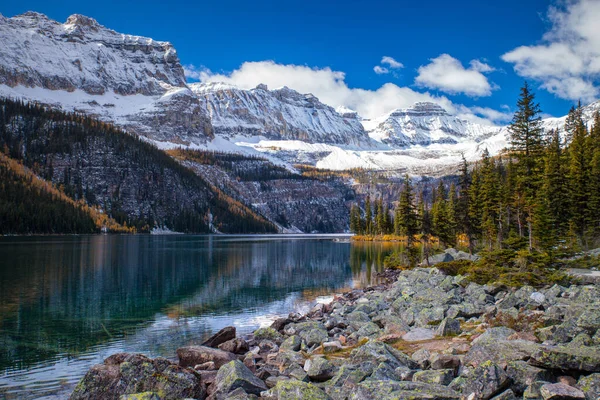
424, 124
280, 114
133, 81
139, 84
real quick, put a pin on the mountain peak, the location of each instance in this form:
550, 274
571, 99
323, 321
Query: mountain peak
420, 109
82, 21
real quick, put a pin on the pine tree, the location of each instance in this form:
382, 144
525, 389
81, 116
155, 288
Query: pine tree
594, 183
355, 220
579, 164
462, 205
368, 216
406, 219
527, 145
424, 220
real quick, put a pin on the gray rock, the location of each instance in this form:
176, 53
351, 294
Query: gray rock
537, 297
368, 330
222, 336
378, 390
421, 357
438, 258
500, 352
439, 377
194, 355
486, 381
448, 327
378, 352
235, 375
272, 381
331, 347
560, 391
268, 334
352, 374
419, 334
293, 390
506, 395
445, 361
319, 369
140, 396
533, 391
237, 345
523, 375
292, 343
581, 358
590, 385
125, 374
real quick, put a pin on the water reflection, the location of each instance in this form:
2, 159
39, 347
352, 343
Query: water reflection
68, 302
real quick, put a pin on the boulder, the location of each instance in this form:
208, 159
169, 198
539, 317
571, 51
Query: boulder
140, 396
439, 377
369, 330
222, 336
419, 334
194, 355
319, 369
235, 375
378, 352
500, 352
445, 361
237, 345
590, 385
268, 334
577, 358
128, 374
506, 395
560, 391
448, 327
523, 375
486, 381
293, 390
352, 374
292, 343
378, 390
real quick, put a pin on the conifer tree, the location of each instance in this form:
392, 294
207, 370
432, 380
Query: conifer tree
368, 216
355, 220
406, 219
579, 164
527, 145
594, 183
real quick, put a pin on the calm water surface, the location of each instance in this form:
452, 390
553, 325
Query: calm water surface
68, 302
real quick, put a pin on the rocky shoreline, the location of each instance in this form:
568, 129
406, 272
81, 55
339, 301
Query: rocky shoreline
422, 335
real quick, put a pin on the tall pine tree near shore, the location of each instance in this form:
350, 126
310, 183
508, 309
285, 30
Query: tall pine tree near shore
527, 146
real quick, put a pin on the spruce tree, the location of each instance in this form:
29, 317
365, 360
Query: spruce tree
579, 165
368, 216
527, 145
406, 219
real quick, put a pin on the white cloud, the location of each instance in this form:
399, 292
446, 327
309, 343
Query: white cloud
567, 62
447, 74
330, 87
380, 70
391, 62
192, 72
492, 115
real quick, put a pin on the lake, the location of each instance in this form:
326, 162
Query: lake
68, 302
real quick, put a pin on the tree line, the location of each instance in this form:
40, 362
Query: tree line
541, 194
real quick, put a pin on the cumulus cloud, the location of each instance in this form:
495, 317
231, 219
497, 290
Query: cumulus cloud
567, 61
379, 70
492, 115
448, 75
391, 62
192, 72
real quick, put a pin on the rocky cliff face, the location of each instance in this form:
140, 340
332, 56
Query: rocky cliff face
280, 114
133, 81
425, 124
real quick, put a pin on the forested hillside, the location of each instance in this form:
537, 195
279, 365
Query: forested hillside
132, 181
535, 203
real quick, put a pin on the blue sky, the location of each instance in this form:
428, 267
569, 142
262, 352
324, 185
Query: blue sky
460, 53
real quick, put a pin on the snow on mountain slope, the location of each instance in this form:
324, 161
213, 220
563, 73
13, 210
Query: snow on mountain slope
280, 114
424, 124
133, 81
